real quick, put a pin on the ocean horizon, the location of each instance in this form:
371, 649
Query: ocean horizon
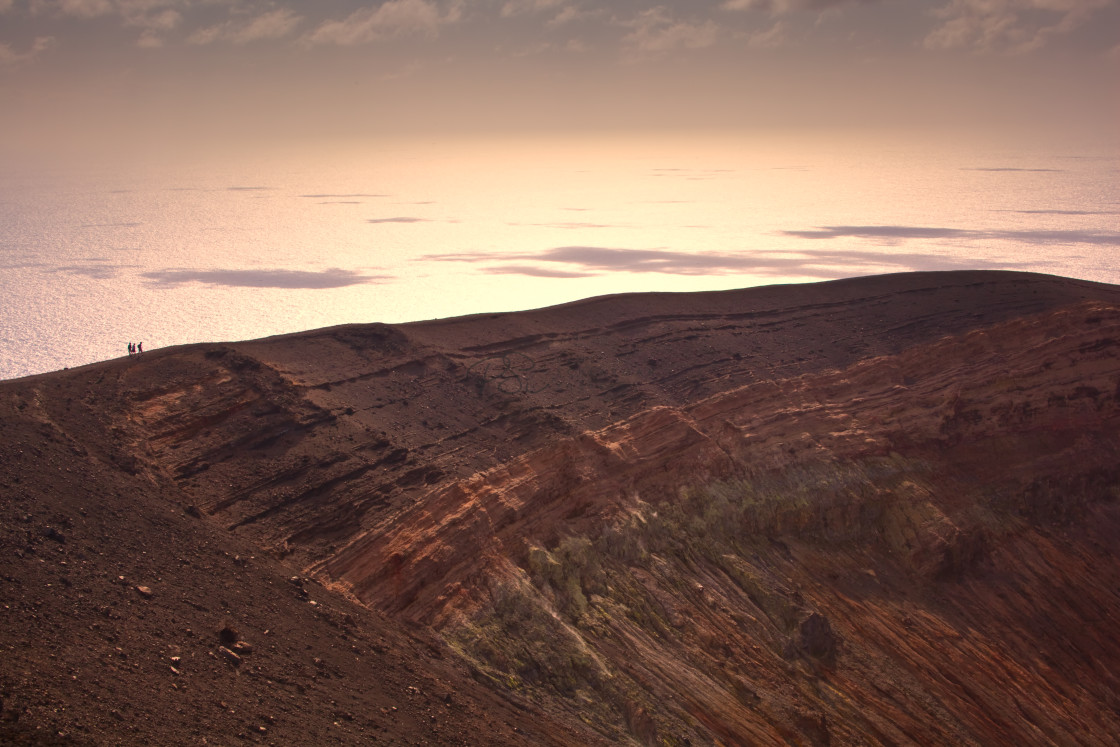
283, 240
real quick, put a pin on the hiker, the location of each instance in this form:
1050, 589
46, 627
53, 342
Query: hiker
130, 348
139, 347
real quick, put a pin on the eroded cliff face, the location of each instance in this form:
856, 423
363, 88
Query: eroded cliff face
917, 547
872, 511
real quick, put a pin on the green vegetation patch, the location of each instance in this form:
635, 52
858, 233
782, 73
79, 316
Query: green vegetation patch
557, 626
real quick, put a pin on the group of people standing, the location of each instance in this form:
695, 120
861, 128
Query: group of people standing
135, 348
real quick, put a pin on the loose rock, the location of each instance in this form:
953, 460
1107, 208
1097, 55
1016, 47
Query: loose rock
229, 656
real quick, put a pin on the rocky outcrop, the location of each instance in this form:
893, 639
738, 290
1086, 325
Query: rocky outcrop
872, 511
908, 476
1042, 390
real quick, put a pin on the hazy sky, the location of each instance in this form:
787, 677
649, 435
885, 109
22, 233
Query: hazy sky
90, 71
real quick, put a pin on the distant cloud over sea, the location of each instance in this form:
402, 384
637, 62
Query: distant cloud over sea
289, 279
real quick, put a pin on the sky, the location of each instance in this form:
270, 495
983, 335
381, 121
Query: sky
98, 73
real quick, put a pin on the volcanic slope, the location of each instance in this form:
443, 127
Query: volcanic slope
880, 510
128, 617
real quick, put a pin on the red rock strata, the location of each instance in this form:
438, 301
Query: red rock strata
870, 511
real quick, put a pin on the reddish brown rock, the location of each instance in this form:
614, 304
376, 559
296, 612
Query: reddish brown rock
876, 511
229, 656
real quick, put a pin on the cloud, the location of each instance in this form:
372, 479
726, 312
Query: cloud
154, 26
11, 58
149, 40
572, 13
275, 24
537, 272
644, 260
154, 17
290, 279
1067, 212
585, 261
774, 36
393, 18
532, 49
571, 224
1007, 168
163, 21
156, 14
655, 31
398, 220
120, 224
1014, 26
590, 259
780, 7
349, 194
893, 234
78, 8
95, 271
517, 7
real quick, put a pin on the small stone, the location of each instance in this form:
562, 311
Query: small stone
229, 656
242, 648
144, 591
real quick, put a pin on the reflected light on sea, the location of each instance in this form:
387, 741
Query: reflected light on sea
394, 231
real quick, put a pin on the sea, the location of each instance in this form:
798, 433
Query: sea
249, 243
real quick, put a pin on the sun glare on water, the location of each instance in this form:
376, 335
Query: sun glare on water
407, 229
